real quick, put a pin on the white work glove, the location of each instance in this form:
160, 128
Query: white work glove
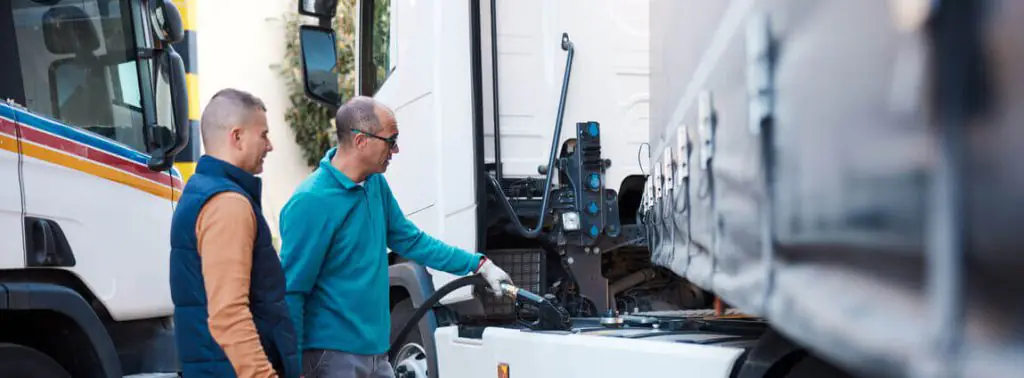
494, 275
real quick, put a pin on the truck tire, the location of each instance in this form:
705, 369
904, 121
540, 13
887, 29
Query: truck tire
401, 314
20, 361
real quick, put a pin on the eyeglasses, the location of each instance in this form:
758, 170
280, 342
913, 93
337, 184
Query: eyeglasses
392, 141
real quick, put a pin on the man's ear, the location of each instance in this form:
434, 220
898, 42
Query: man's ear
235, 137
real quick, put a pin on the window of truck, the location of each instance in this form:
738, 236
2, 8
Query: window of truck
75, 61
378, 43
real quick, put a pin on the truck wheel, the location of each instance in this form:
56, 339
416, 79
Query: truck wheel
410, 358
23, 362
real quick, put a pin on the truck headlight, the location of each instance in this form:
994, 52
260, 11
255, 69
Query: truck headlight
571, 221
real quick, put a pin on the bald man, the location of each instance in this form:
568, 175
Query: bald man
230, 314
336, 230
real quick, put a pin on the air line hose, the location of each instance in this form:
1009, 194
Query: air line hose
427, 305
549, 315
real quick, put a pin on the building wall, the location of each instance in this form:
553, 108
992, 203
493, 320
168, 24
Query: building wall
239, 44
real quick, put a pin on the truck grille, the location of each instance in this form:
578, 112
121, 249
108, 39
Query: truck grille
525, 266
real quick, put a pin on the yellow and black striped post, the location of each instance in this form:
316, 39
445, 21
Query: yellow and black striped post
186, 159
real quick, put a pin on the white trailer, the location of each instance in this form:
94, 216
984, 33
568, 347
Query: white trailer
773, 155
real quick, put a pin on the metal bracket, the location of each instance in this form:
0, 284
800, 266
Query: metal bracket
668, 170
659, 179
706, 123
648, 200
683, 146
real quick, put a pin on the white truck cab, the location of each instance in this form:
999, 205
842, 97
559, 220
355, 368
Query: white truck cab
523, 128
94, 111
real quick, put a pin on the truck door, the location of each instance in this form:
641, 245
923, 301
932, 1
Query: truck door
90, 201
11, 235
433, 172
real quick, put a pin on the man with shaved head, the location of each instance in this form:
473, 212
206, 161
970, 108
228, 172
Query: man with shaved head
226, 131
336, 230
230, 314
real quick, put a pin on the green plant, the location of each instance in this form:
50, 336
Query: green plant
312, 123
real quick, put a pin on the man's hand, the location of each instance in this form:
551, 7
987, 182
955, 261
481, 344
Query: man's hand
493, 274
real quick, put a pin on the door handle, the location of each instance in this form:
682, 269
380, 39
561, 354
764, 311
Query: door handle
45, 244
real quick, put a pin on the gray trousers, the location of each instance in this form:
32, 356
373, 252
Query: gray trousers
318, 363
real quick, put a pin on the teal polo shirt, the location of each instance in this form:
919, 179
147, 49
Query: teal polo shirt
335, 235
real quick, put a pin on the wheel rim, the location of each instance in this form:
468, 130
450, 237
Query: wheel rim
411, 362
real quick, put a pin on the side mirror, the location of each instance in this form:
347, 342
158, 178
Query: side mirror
170, 64
320, 65
166, 20
318, 8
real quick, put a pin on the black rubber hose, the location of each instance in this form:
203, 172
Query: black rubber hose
475, 279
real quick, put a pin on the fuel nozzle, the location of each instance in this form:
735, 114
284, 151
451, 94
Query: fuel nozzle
514, 292
509, 290
549, 316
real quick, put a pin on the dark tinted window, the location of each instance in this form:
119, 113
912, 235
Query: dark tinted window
73, 60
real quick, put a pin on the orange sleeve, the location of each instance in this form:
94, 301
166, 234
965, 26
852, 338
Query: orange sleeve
225, 233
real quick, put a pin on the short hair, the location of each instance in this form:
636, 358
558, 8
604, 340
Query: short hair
227, 108
359, 113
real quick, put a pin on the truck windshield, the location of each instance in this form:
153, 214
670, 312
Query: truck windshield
75, 61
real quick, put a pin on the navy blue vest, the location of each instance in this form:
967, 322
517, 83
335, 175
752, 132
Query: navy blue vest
200, 355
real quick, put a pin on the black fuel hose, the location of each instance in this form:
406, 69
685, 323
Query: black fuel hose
550, 316
427, 305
